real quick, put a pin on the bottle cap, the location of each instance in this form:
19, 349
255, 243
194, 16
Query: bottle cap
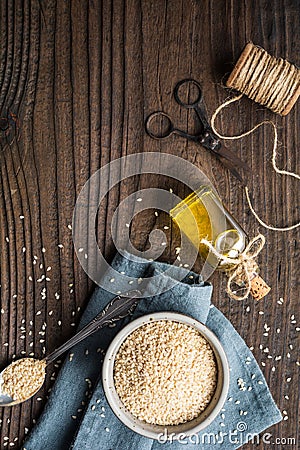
259, 288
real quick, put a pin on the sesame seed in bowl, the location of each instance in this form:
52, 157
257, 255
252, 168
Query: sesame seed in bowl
165, 371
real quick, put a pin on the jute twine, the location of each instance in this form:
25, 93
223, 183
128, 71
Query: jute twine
244, 266
274, 157
269, 81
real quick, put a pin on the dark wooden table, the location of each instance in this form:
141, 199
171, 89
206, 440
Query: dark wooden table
77, 80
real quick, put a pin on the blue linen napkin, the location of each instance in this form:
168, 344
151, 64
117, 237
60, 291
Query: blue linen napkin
77, 415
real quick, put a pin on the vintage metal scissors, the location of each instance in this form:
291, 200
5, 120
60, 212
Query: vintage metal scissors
206, 137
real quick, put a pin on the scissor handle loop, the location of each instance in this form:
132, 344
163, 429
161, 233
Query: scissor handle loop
169, 125
177, 93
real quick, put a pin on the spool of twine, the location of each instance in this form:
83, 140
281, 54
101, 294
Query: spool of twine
272, 82
269, 81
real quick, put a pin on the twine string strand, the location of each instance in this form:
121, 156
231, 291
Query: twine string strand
245, 265
274, 157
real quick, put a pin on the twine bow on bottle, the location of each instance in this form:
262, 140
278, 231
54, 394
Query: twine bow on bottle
244, 266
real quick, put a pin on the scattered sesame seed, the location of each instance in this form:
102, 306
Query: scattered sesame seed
107, 429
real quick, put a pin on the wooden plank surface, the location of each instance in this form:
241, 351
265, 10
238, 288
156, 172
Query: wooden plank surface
77, 80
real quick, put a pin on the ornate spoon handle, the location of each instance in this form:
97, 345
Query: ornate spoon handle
120, 307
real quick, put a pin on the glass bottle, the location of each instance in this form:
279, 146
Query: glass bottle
202, 215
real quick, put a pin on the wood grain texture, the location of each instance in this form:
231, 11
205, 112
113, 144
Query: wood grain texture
77, 80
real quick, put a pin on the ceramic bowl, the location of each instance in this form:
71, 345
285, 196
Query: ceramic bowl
158, 431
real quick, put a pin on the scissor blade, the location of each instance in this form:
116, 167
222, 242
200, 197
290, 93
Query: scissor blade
232, 168
231, 156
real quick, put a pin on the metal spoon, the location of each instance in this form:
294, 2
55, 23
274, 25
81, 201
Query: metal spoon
120, 307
